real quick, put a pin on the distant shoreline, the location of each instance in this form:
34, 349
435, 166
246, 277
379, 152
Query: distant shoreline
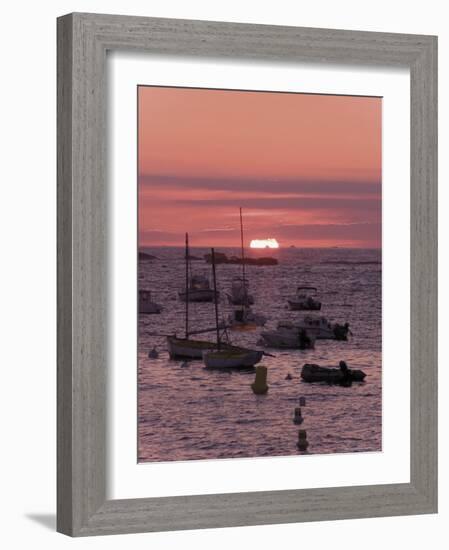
271, 250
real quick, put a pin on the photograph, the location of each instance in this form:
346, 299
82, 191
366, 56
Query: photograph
259, 273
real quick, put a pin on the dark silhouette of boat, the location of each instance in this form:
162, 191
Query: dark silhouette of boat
342, 375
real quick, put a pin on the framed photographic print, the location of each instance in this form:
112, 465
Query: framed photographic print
246, 274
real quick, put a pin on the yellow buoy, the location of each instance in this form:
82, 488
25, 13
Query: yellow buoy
260, 386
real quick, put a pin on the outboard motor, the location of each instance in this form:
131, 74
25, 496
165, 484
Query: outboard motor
341, 331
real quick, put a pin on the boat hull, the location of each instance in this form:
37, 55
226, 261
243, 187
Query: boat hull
206, 295
150, 308
240, 301
232, 359
304, 306
314, 373
285, 340
182, 348
335, 332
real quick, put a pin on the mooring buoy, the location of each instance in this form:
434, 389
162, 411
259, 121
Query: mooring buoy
298, 418
260, 386
153, 354
302, 440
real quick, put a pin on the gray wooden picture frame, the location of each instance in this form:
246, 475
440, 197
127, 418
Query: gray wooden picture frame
83, 40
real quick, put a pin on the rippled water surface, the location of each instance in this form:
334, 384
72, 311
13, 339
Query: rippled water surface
188, 412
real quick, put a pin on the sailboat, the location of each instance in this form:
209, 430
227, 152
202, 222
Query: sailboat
225, 358
197, 287
243, 318
188, 348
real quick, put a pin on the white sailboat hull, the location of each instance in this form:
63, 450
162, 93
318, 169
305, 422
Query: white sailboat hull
187, 349
182, 348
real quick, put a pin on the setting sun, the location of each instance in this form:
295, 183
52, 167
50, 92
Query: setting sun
264, 243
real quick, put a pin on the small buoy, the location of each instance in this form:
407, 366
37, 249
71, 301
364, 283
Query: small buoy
260, 386
302, 440
298, 418
153, 354
289, 377
302, 401
184, 364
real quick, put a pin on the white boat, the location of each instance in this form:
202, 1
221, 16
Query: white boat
304, 299
146, 305
320, 328
239, 293
231, 359
198, 291
289, 336
244, 318
222, 357
186, 348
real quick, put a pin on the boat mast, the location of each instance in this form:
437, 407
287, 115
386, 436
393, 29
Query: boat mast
187, 286
243, 260
215, 297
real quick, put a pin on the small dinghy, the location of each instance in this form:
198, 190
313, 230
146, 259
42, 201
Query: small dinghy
342, 375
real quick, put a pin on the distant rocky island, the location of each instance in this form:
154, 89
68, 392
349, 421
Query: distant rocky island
145, 256
221, 258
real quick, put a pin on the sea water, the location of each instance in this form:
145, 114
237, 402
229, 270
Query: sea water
188, 412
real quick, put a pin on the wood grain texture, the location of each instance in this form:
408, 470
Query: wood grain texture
83, 40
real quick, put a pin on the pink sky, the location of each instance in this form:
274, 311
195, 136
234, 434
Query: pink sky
305, 168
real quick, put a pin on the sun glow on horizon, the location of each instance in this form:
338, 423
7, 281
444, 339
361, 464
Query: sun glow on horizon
264, 243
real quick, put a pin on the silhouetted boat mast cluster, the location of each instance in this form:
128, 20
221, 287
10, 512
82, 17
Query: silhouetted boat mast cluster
219, 352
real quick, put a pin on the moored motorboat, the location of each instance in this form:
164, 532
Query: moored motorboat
287, 335
146, 304
331, 375
322, 329
198, 291
304, 300
239, 293
246, 319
